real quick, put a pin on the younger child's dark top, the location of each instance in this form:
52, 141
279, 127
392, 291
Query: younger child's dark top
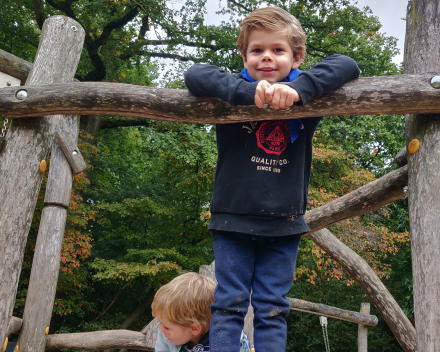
261, 183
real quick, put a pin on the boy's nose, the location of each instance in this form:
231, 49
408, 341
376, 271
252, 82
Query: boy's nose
267, 56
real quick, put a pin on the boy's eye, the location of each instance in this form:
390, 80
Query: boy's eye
277, 50
257, 50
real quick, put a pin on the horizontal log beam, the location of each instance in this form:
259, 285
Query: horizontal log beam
332, 312
365, 199
364, 96
14, 326
100, 340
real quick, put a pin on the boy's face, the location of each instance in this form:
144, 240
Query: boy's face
178, 334
269, 56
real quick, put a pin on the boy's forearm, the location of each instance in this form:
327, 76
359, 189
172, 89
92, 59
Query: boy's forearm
208, 80
325, 76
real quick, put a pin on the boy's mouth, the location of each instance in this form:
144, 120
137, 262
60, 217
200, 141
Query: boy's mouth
266, 69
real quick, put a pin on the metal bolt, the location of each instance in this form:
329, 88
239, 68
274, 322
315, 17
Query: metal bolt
21, 94
73, 28
74, 153
435, 82
8, 83
405, 189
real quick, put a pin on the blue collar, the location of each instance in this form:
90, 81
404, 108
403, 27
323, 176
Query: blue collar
295, 124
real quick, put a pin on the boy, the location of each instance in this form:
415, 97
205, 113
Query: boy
263, 171
183, 308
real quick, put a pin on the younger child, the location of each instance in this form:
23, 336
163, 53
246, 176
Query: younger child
263, 171
183, 308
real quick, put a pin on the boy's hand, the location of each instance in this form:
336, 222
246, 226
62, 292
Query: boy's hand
260, 93
279, 96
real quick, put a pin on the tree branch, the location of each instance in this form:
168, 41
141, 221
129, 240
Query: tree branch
39, 14
113, 302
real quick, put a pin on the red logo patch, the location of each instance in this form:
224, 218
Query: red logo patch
273, 136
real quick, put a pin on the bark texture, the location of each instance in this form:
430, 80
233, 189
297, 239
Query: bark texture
28, 141
363, 96
422, 54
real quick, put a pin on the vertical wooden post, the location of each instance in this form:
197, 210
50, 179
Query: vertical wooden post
46, 262
363, 330
28, 141
422, 54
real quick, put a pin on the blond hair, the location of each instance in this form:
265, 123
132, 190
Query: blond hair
275, 19
186, 300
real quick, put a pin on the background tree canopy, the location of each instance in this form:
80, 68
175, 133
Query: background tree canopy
139, 215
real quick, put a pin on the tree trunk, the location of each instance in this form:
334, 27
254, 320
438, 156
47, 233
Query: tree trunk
28, 141
422, 54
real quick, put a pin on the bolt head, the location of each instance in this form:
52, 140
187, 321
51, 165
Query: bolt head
435, 82
21, 94
405, 189
74, 153
73, 28
8, 83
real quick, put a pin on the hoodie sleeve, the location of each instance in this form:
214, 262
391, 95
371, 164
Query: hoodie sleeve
326, 75
211, 81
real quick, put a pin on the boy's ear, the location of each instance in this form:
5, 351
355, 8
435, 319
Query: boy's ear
196, 328
297, 60
244, 61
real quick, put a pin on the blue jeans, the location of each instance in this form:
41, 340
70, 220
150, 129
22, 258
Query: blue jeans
261, 263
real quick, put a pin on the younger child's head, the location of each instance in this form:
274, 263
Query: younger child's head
271, 30
183, 307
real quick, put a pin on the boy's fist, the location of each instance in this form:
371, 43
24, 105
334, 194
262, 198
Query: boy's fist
279, 96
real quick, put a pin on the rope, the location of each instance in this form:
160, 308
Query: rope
323, 321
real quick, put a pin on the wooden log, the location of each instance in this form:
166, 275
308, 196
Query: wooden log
365, 276
44, 277
363, 330
15, 325
369, 197
14, 66
28, 141
100, 340
71, 151
332, 312
400, 158
60, 178
364, 96
422, 54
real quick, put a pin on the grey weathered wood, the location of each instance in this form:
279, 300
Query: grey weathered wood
14, 66
99, 340
364, 96
15, 325
369, 197
209, 270
28, 141
71, 151
333, 312
365, 276
422, 54
8, 80
363, 330
400, 158
43, 280
60, 178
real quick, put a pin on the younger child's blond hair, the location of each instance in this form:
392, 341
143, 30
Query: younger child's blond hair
275, 19
186, 300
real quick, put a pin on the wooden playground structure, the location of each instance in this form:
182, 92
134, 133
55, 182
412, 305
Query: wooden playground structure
51, 94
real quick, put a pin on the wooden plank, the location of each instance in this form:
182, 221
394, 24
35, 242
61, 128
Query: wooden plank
332, 312
100, 340
364, 96
15, 325
8, 81
71, 151
422, 54
363, 330
28, 141
365, 276
14, 66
